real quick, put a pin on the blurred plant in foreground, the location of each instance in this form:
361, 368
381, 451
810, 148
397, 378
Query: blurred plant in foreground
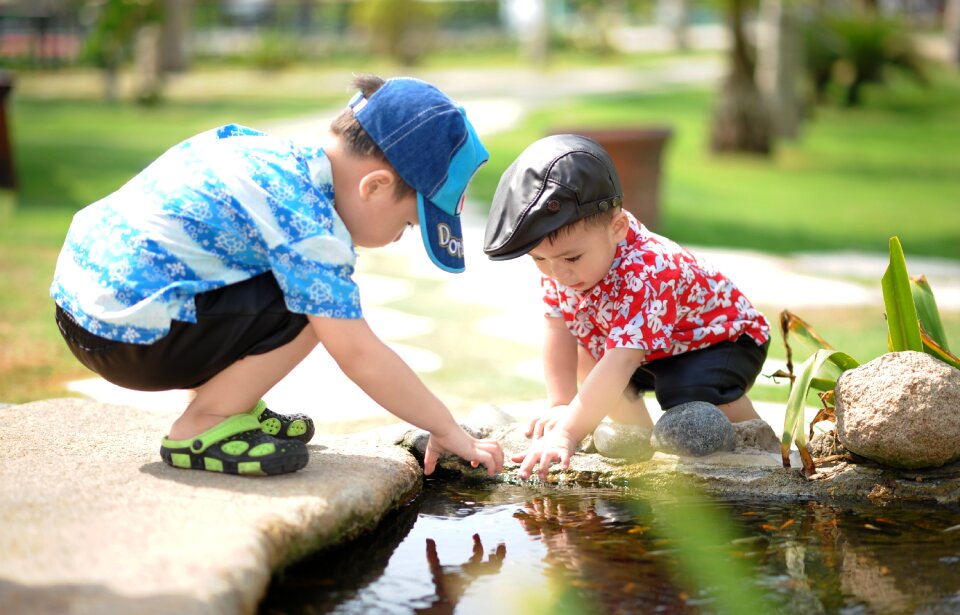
913, 323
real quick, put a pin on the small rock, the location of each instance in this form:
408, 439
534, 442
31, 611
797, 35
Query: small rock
695, 428
826, 444
623, 441
756, 434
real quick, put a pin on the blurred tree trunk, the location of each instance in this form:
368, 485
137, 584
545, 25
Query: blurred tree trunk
538, 44
780, 65
741, 120
951, 24
174, 35
675, 14
147, 57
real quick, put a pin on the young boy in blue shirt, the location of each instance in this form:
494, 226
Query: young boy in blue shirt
225, 262
627, 310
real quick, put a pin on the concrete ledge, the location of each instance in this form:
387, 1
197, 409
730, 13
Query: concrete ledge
91, 520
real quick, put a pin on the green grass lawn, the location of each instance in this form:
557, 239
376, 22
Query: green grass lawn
851, 181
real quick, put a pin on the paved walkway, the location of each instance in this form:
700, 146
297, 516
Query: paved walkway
495, 102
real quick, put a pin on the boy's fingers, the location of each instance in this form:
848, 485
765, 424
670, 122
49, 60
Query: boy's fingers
429, 461
531, 426
518, 457
526, 468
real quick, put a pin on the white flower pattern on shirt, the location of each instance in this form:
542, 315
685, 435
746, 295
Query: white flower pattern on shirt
657, 297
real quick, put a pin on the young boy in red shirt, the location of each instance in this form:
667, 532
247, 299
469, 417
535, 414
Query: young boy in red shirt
627, 310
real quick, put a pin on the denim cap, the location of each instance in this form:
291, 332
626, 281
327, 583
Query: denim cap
431, 144
556, 181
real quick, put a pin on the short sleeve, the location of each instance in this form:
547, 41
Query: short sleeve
551, 297
314, 287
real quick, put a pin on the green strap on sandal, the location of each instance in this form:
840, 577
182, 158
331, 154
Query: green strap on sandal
238, 445
285, 426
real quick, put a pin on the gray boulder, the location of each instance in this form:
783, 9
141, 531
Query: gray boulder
695, 429
902, 409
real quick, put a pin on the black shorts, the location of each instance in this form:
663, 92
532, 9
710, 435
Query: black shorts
718, 374
242, 319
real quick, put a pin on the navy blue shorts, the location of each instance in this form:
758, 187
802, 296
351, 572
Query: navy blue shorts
718, 374
242, 319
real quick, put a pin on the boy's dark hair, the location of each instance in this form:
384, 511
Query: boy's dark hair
358, 142
600, 218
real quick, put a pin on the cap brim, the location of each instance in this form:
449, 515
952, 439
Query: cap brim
442, 236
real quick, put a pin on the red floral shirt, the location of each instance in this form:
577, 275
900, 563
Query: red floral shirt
657, 297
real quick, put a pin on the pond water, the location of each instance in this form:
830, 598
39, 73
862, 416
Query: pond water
538, 549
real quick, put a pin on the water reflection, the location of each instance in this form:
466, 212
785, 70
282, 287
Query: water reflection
451, 582
610, 551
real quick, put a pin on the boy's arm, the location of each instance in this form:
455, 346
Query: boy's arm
559, 371
390, 382
559, 362
598, 394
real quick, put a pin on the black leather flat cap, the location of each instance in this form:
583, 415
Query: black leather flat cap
556, 181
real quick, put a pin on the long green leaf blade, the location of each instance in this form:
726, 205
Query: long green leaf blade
902, 320
793, 427
933, 349
927, 310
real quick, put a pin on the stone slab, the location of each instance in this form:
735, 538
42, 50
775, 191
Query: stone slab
91, 520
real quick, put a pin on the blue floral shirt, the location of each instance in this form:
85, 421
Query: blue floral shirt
217, 209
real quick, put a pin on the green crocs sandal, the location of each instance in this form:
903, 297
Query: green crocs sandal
236, 446
284, 426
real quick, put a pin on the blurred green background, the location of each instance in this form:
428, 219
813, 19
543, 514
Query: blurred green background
99, 89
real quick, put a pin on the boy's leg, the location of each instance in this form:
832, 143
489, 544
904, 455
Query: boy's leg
629, 408
720, 374
739, 410
239, 387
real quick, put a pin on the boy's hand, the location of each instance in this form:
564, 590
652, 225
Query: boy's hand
543, 423
462, 444
556, 446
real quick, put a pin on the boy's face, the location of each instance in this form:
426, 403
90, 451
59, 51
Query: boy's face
393, 217
581, 257
373, 214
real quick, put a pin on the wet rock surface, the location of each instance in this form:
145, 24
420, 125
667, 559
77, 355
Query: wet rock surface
902, 409
752, 469
694, 429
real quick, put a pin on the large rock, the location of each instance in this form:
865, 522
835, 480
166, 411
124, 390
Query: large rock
91, 521
902, 409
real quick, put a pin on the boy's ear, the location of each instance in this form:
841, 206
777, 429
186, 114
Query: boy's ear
619, 225
376, 183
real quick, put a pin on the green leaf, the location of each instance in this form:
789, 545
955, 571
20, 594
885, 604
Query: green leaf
927, 310
931, 347
793, 428
902, 323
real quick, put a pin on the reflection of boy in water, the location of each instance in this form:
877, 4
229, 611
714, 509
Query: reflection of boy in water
601, 558
451, 582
